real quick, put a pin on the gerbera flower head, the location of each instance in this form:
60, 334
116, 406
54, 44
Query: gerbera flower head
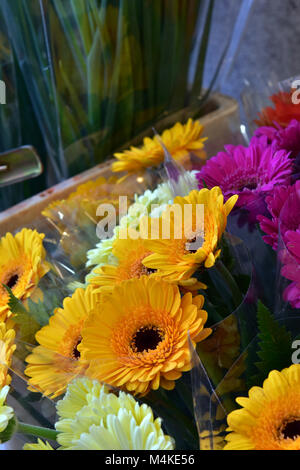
265, 134
251, 172
102, 254
283, 112
22, 264
139, 339
176, 257
183, 141
291, 267
92, 418
270, 417
130, 252
289, 138
270, 224
281, 138
81, 205
57, 360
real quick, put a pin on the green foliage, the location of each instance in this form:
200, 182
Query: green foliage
10, 430
274, 346
15, 305
27, 323
39, 312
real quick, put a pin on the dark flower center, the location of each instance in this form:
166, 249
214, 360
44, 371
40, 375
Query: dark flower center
189, 242
12, 281
291, 430
147, 337
150, 270
193, 244
76, 353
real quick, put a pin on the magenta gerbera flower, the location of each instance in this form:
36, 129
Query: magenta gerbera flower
270, 224
280, 138
251, 172
291, 268
283, 207
289, 138
264, 135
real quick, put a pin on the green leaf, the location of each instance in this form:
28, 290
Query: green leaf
15, 305
39, 312
10, 430
274, 343
28, 325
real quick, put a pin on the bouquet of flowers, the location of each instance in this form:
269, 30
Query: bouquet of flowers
157, 309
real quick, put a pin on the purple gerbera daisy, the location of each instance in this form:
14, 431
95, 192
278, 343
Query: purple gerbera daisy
283, 207
289, 138
291, 268
270, 224
282, 139
251, 172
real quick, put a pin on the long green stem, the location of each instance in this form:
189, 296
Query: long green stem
236, 293
37, 431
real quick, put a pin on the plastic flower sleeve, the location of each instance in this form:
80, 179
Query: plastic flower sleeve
76, 220
270, 102
210, 415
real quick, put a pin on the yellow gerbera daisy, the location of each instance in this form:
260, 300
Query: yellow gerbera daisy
183, 141
139, 338
57, 360
129, 253
270, 417
22, 264
7, 348
172, 257
92, 418
83, 202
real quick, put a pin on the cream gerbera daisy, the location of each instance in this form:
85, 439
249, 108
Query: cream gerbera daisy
171, 256
183, 141
57, 360
22, 264
139, 338
91, 418
6, 412
270, 417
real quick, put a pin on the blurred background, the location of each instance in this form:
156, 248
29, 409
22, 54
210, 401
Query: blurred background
85, 78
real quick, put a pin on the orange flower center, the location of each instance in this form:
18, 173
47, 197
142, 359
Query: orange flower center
139, 339
133, 267
70, 342
278, 426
